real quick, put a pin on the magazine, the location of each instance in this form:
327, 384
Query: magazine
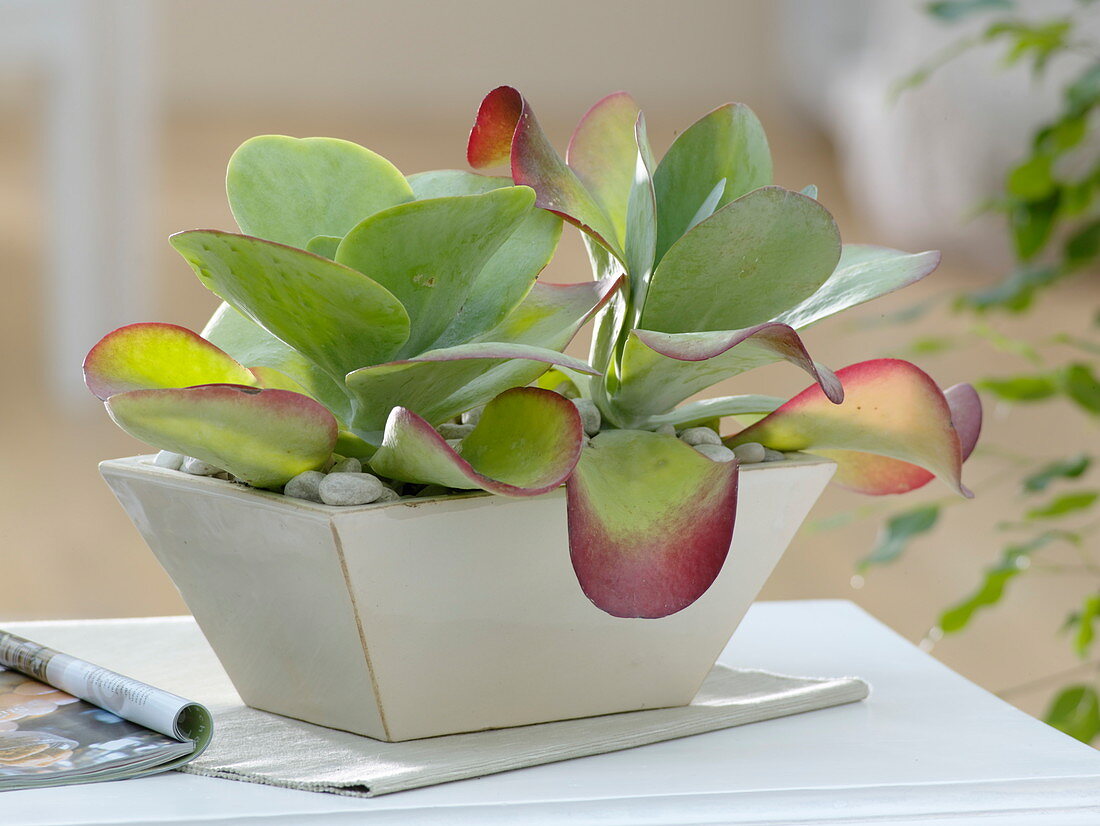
64, 720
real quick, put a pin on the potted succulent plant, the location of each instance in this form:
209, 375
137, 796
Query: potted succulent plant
385, 358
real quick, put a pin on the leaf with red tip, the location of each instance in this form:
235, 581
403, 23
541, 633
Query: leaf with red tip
527, 442
264, 437
891, 408
879, 476
660, 370
440, 384
153, 355
603, 152
505, 116
650, 522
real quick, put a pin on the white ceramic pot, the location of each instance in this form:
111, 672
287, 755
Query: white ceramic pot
420, 618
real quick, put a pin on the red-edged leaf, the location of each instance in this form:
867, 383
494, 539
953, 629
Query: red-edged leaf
527, 442
535, 163
650, 522
879, 476
891, 408
264, 437
153, 355
660, 370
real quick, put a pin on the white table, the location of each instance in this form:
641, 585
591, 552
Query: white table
927, 747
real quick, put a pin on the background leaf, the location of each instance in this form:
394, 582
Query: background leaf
898, 532
1076, 711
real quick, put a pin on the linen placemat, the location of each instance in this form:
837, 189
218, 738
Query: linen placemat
259, 747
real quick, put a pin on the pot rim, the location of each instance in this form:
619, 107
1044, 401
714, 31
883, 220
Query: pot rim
141, 465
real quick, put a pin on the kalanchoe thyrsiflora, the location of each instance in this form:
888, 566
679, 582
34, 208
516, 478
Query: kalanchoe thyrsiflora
364, 311
723, 269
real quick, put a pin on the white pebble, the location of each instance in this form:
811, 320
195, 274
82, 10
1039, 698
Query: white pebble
450, 430
667, 430
719, 453
350, 489
305, 485
388, 495
773, 455
170, 460
473, 416
197, 467
700, 436
590, 415
348, 465
750, 453
454, 444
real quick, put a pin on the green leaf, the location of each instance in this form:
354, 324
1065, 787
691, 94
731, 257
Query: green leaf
752, 259
1013, 562
1083, 246
1065, 504
1090, 612
1076, 712
440, 384
728, 143
863, 273
953, 10
289, 190
151, 356
430, 253
1082, 386
650, 522
265, 437
324, 245
1032, 179
1026, 388
1014, 293
1071, 468
695, 414
641, 228
251, 344
527, 442
507, 277
898, 532
1032, 224
334, 316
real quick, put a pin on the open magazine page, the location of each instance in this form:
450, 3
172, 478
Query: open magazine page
50, 736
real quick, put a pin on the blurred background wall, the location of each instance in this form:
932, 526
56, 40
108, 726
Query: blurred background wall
117, 118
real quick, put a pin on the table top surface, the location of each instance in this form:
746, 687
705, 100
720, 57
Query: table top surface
927, 746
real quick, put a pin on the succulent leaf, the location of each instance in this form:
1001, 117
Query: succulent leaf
440, 384
527, 442
251, 344
891, 408
698, 413
324, 245
752, 259
336, 317
290, 190
505, 119
875, 475
864, 272
551, 314
660, 370
153, 355
650, 522
728, 143
509, 274
641, 229
430, 253
264, 437
603, 151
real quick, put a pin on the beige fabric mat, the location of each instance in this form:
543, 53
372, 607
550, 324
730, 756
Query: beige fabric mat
259, 747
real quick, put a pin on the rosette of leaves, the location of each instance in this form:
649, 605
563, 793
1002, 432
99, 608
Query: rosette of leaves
361, 309
723, 269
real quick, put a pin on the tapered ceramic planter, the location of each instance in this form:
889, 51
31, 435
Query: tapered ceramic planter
428, 617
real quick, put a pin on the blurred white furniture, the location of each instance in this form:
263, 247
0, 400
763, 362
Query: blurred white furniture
928, 747
92, 60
